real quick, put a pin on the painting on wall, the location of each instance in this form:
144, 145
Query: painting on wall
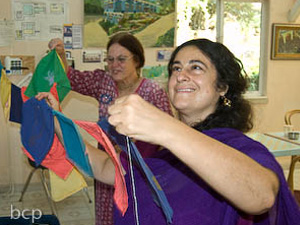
158, 73
286, 41
151, 21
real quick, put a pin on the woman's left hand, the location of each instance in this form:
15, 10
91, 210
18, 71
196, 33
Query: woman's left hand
50, 99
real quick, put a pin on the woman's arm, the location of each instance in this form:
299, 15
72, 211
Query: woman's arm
102, 165
249, 186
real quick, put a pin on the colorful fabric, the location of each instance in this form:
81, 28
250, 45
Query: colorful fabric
194, 202
56, 159
16, 104
101, 86
49, 70
42, 119
63, 188
5, 92
73, 144
37, 128
120, 194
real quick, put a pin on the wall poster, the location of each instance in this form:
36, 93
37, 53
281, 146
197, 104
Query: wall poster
151, 21
39, 20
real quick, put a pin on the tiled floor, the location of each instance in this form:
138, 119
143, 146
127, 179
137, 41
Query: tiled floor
76, 210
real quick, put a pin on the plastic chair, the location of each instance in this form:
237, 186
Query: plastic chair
42, 171
295, 158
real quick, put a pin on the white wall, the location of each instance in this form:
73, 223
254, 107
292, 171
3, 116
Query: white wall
283, 79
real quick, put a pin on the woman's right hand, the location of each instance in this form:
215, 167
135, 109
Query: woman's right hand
58, 44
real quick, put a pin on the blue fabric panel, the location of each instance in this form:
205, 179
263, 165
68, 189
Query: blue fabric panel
15, 114
1, 67
74, 145
37, 128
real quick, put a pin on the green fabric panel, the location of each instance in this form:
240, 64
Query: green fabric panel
49, 71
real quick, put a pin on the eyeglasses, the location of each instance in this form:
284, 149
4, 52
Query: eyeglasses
120, 59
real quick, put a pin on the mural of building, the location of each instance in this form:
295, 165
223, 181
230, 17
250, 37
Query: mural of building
114, 9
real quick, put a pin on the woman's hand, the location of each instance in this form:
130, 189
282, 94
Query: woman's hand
50, 99
136, 118
57, 44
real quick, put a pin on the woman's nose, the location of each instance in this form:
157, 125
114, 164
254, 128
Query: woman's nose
182, 76
114, 63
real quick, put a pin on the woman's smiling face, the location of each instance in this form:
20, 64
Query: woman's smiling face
192, 85
121, 64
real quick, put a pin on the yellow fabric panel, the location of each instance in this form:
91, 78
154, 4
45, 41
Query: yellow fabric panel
61, 189
5, 92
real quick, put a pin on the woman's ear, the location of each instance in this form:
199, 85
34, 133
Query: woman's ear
224, 90
226, 101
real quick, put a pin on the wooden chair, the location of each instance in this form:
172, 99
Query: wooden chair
296, 158
288, 116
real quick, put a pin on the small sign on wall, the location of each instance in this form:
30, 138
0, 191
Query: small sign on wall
73, 36
92, 56
163, 55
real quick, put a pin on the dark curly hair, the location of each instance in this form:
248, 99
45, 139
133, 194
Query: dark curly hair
231, 74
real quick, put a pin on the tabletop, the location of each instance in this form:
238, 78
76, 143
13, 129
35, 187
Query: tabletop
277, 144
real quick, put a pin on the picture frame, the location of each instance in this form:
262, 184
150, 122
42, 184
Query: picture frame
285, 42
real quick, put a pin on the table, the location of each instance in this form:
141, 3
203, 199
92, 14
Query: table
279, 145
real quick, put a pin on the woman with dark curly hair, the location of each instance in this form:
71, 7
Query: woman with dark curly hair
213, 174
232, 109
210, 171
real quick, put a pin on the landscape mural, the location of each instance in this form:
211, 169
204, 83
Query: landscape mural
151, 21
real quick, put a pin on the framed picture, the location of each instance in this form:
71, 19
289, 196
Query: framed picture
285, 41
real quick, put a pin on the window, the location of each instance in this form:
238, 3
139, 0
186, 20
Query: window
235, 23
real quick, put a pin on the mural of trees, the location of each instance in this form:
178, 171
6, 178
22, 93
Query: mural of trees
152, 21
